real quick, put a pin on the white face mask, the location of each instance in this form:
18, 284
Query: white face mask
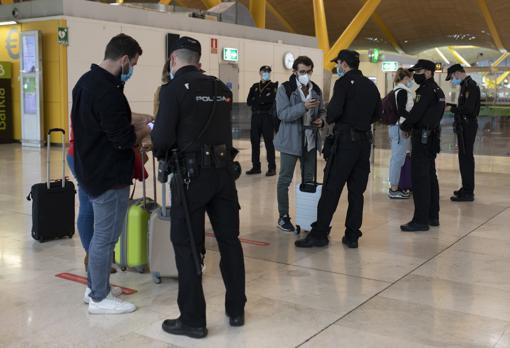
304, 79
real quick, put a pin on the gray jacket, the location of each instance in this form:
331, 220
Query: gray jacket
290, 111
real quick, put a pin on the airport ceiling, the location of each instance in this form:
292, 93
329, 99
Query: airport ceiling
417, 25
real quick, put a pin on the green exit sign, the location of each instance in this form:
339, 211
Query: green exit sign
230, 54
374, 55
390, 66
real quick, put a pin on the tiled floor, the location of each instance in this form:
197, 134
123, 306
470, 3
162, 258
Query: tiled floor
449, 287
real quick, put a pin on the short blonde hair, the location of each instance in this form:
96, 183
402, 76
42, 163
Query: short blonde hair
401, 74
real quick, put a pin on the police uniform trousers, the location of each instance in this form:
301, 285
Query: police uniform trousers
262, 124
424, 179
213, 192
349, 164
466, 157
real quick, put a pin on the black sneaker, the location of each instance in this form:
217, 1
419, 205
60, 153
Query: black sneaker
398, 194
463, 197
350, 239
253, 171
271, 172
310, 242
458, 192
284, 224
414, 227
176, 327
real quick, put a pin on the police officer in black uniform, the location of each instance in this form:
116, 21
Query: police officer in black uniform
465, 125
194, 122
355, 105
423, 123
261, 99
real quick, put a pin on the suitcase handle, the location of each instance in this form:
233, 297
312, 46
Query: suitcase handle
56, 130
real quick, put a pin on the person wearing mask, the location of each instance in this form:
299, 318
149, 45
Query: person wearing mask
103, 159
465, 125
261, 99
423, 122
400, 142
194, 128
355, 105
299, 103
165, 78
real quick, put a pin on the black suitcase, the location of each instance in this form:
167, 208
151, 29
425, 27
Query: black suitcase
53, 203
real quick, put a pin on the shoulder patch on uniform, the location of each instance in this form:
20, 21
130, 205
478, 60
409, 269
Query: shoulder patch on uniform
417, 99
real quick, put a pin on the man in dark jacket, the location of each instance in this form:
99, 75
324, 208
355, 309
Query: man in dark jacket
104, 140
261, 99
465, 125
355, 105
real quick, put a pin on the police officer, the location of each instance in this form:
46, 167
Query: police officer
261, 99
466, 126
355, 105
423, 123
194, 117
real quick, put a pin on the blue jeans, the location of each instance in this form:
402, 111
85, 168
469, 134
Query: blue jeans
399, 147
110, 210
85, 220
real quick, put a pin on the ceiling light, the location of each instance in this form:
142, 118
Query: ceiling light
8, 23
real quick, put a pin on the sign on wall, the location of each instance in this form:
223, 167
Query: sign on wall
230, 54
390, 66
214, 46
6, 117
63, 36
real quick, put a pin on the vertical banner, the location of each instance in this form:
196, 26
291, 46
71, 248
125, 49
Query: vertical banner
6, 117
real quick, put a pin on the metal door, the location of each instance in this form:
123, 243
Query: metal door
229, 74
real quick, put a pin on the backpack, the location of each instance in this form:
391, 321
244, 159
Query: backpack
389, 115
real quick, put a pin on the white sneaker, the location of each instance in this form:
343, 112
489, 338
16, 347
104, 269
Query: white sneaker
114, 290
111, 305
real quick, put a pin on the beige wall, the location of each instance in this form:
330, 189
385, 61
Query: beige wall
88, 38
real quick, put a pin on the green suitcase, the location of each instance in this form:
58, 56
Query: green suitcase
131, 250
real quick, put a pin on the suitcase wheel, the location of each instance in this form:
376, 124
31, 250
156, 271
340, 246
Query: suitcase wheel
156, 278
123, 268
298, 229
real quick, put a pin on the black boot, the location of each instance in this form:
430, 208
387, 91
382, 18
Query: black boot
271, 172
253, 171
236, 321
463, 197
351, 239
309, 242
176, 327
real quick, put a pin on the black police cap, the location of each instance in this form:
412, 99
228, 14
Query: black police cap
347, 56
265, 68
453, 69
424, 64
188, 43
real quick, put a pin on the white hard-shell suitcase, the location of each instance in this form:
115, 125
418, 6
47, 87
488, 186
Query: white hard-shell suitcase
307, 196
161, 251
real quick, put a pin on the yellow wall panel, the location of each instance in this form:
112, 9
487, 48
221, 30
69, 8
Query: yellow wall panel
54, 58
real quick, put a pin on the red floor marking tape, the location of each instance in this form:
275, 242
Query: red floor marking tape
83, 280
245, 241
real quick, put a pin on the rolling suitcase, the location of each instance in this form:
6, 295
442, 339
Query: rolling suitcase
131, 250
53, 202
161, 250
307, 195
405, 182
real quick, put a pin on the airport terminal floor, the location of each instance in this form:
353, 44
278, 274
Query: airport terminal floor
448, 287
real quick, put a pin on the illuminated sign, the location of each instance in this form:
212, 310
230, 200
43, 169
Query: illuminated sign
439, 67
390, 66
374, 55
230, 54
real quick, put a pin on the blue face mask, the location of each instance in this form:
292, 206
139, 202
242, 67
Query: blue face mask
456, 82
339, 72
127, 76
410, 84
266, 76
